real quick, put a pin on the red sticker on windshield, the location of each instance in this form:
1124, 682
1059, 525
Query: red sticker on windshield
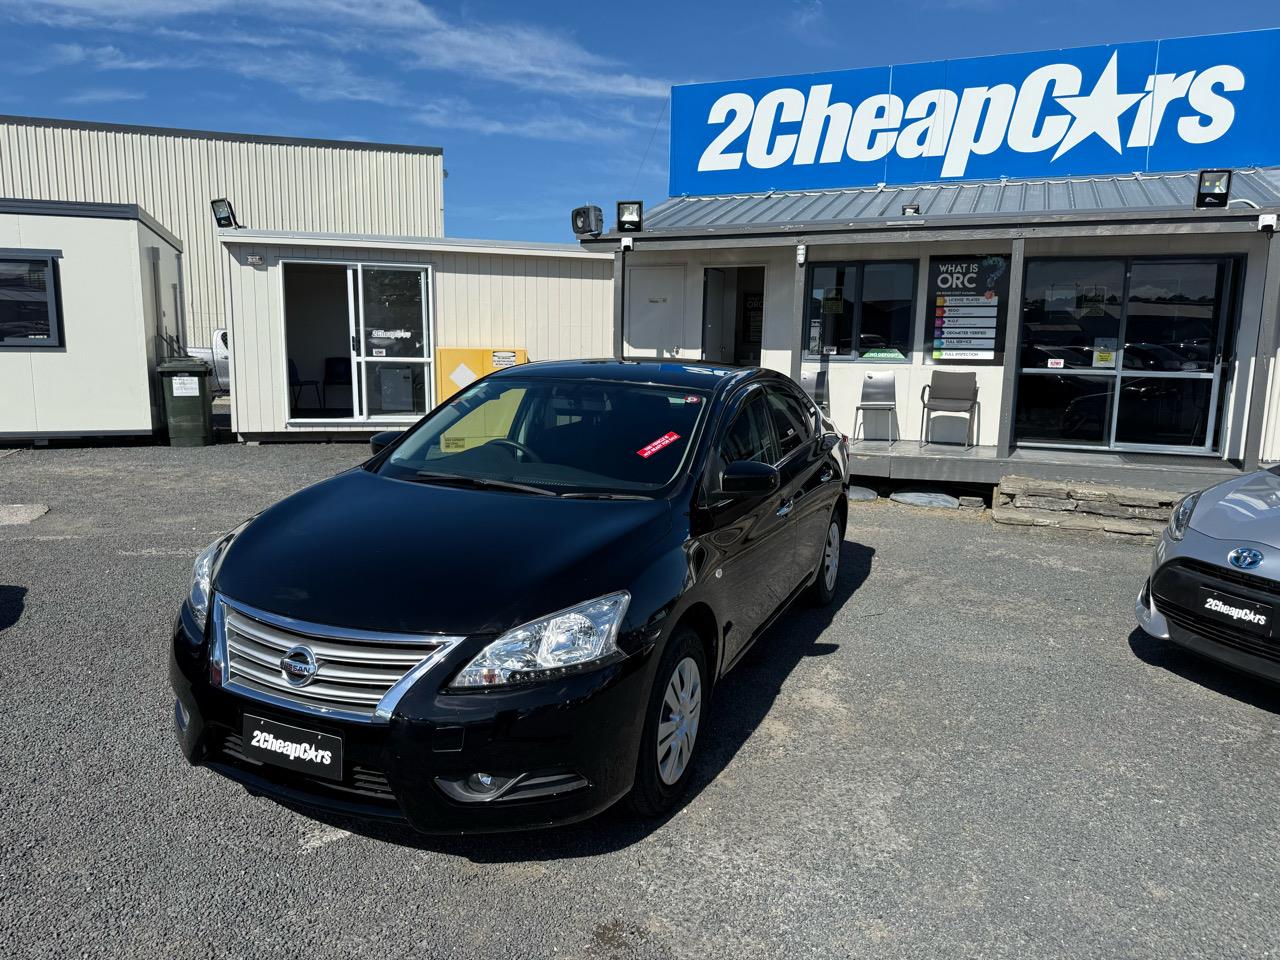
663, 441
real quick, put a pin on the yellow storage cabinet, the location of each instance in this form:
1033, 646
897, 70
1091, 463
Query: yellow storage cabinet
459, 367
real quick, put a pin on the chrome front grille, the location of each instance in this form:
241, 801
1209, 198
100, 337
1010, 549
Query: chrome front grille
359, 675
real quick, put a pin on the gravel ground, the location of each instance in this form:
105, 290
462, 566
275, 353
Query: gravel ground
972, 755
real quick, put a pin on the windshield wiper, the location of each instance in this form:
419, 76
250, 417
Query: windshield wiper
483, 483
585, 495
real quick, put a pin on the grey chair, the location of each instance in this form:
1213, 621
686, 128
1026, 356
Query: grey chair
297, 385
879, 393
949, 392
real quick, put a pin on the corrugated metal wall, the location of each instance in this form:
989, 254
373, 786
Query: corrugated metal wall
320, 187
556, 307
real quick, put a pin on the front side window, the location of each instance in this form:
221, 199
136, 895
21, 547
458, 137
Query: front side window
750, 438
791, 421
860, 310
28, 303
563, 435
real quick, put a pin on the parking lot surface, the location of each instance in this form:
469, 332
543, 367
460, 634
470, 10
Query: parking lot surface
972, 754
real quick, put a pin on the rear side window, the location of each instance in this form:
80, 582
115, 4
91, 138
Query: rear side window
792, 423
749, 438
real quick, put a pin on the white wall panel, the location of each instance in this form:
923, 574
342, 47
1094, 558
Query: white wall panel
319, 186
554, 306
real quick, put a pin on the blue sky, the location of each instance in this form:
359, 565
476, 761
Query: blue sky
539, 106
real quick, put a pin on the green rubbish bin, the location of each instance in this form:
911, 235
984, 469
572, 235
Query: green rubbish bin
187, 403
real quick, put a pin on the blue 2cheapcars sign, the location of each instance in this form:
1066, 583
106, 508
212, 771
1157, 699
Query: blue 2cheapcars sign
1159, 105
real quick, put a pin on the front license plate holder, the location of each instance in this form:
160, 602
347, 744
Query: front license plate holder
1248, 616
294, 748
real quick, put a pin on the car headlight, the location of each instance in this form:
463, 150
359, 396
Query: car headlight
1180, 519
202, 574
543, 648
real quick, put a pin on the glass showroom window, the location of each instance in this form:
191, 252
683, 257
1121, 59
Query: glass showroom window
28, 303
860, 310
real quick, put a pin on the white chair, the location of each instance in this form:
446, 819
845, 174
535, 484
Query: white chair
879, 393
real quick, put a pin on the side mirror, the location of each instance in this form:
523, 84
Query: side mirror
380, 441
829, 442
748, 478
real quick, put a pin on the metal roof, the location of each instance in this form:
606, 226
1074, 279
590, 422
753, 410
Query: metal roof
218, 135
303, 238
1017, 200
99, 211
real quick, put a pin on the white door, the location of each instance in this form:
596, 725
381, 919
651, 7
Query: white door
655, 324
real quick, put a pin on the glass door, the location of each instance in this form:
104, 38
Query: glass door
1171, 362
1071, 320
391, 338
1123, 354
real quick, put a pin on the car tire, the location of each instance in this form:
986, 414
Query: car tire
660, 778
823, 589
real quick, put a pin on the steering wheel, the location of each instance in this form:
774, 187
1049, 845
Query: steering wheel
518, 447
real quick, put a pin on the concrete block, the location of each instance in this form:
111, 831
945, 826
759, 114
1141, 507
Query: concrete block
1141, 528
1026, 518
1107, 509
1137, 497
972, 503
1036, 502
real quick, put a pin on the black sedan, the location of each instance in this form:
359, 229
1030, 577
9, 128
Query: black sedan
516, 613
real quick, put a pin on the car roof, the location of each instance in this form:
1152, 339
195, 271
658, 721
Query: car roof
688, 374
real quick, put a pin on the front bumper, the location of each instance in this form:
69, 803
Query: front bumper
1168, 606
575, 740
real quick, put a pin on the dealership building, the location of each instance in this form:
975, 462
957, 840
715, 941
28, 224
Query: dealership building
1084, 237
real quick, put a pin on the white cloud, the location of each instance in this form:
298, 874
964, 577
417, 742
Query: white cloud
513, 54
453, 113
314, 77
103, 95
104, 58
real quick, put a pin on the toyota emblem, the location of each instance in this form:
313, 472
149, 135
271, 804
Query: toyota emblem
1246, 558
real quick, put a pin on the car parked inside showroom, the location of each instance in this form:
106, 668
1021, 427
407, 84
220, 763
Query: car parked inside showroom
1214, 586
517, 612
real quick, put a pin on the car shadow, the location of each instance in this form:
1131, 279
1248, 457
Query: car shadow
12, 600
740, 703
1210, 674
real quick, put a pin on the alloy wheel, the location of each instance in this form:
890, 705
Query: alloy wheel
678, 720
831, 557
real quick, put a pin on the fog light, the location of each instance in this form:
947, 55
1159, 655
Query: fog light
484, 783
477, 787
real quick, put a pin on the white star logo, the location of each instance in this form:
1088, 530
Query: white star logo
1099, 112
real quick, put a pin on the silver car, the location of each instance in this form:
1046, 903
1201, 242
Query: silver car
1215, 578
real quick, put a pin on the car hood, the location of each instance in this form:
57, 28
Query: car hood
371, 552
1245, 509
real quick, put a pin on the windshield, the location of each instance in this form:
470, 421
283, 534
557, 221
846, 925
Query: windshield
566, 436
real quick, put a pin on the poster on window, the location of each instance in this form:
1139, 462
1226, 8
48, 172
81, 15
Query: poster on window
969, 297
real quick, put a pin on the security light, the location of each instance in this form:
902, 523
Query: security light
587, 221
630, 216
1213, 189
911, 209
224, 213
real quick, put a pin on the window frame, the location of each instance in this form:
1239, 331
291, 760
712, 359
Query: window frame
859, 266
54, 340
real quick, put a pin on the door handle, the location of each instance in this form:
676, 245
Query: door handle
786, 507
